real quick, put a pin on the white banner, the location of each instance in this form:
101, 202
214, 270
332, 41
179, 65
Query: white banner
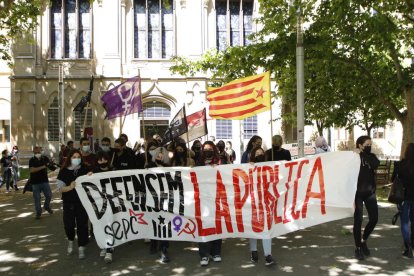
205, 203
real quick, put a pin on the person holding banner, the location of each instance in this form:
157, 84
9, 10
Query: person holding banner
196, 148
181, 156
74, 214
103, 165
365, 194
255, 141
257, 155
209, 157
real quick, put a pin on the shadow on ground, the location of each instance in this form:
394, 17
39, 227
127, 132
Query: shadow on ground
38, 247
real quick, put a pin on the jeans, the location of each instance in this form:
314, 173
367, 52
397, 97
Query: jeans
267, 246
7, 178
372, 209
213, 248
37, 189
75, 216
407, 221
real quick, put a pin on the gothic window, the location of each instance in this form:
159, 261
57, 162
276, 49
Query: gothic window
53, 121
154, 29
234, 19
156, 110
70, 29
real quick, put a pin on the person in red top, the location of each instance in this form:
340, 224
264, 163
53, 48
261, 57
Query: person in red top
88, 157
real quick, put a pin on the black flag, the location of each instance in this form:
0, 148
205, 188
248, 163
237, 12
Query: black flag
85, 99
178, 127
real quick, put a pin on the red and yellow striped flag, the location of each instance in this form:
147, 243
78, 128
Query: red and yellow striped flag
240, 98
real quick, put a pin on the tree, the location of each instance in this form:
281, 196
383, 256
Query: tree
357, 54
16, 18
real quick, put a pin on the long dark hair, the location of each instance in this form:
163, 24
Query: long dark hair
253, 153
175, 159
251, 141
409, 156
216, 156
361, 140
68, 161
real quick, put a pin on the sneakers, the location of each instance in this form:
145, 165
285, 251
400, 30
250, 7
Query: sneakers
103, 253
81, 252
70, 247
37, 217
365, 249
50, 211
269, 260
217, 258
408, 253
108, 257
254, 257
164, 256
204, 261
358, 254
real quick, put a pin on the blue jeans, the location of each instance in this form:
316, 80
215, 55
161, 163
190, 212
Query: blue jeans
407, 217
37, 189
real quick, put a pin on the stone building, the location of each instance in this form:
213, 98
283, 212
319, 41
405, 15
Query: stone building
114, 40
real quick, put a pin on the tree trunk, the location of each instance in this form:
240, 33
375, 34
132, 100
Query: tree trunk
408, 121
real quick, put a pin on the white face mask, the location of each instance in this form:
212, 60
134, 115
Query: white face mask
86, 148
75, 162
38, 155
105, 148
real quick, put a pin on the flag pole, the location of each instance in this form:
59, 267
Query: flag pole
143, 119
84, 120
271, 121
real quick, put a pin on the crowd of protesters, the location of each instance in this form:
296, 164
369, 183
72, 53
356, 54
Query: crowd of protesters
105, 155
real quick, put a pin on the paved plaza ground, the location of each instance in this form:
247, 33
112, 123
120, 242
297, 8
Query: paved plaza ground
38, 247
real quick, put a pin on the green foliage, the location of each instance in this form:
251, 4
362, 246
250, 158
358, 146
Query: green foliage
358, 54
16, 19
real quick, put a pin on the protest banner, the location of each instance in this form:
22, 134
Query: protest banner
262, 200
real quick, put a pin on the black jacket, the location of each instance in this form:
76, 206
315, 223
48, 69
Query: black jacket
366, 178
406, 175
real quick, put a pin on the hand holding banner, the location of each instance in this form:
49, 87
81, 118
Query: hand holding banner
263, 200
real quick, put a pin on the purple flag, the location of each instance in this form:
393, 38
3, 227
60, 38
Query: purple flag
123, 99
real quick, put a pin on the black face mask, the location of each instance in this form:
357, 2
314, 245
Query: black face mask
197, 149
180, 154
276, 147
367, 149
259, 158
103, 165
208, 154
220, 147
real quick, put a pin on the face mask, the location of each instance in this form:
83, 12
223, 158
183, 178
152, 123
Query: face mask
38, 155
86, 148
208, 154
367, 149
103, 165
197, 149
220, 147
180, 154
76, 161
259, 158
276, 147
116, 150
105, 148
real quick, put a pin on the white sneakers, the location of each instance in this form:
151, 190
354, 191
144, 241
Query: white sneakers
103, 252
217, 258
108, 257
204, 261
70, 247
81, 252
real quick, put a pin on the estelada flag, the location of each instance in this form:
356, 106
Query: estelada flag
197, 126
240, 98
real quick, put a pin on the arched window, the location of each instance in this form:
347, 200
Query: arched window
156, 110
53, 121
